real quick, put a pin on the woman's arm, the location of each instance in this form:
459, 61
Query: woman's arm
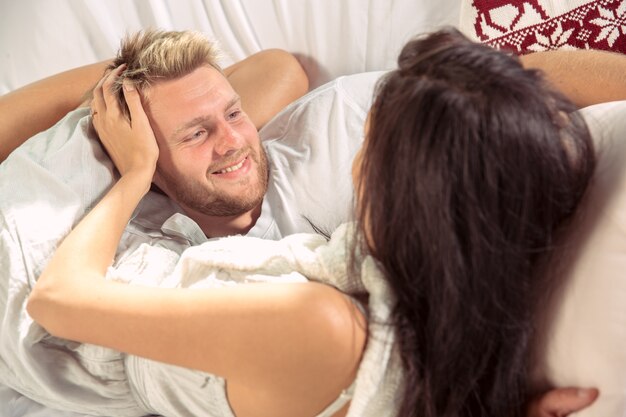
585, 76
266, 82
287, 349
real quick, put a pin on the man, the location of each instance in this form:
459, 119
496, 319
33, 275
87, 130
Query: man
62, 172
211, 162
211, 169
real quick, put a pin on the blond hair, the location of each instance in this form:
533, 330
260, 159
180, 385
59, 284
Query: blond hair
152, 55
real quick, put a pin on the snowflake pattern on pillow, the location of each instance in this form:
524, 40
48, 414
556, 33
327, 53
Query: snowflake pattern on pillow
525, 26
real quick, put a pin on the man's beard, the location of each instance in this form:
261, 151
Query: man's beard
195, 195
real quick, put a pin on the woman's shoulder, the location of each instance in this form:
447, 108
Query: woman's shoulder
314, 363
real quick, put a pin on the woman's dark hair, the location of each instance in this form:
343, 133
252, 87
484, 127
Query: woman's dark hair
470, 164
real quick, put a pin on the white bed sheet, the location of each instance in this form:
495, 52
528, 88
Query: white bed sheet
330, 37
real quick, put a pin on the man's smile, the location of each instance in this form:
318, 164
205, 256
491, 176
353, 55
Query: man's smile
234, 168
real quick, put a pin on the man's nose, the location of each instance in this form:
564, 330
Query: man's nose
227, 139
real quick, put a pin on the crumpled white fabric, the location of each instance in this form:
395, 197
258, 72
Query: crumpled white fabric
298, 257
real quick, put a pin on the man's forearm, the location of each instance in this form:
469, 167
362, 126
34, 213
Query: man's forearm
37, 106
585, 76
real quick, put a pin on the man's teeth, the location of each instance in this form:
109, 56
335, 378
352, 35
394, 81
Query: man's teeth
231, 169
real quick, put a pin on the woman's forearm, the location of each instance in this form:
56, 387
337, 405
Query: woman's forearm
83, 257
37, 106
585, 76
107, 221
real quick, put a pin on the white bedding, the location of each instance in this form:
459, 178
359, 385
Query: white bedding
330, 37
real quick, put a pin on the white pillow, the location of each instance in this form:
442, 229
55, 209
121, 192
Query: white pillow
583, 329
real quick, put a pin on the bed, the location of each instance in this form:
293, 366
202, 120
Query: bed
330, 38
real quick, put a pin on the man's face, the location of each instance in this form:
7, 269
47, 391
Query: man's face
211, 161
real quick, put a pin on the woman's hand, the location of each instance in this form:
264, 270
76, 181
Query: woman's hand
561, 402
130, 143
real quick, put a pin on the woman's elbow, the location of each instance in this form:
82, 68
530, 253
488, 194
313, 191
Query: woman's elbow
35, 305
40, 307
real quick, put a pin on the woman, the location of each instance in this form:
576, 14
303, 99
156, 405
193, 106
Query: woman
497, 162
469, 166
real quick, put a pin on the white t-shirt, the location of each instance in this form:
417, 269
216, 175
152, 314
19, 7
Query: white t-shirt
310, 146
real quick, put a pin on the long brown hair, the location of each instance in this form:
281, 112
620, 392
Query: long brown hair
470, 164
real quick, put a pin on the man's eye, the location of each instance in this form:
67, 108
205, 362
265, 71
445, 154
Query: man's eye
197, 135
234, 114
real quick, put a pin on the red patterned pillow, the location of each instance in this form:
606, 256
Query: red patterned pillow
525, 26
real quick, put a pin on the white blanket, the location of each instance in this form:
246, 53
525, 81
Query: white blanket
239, 259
